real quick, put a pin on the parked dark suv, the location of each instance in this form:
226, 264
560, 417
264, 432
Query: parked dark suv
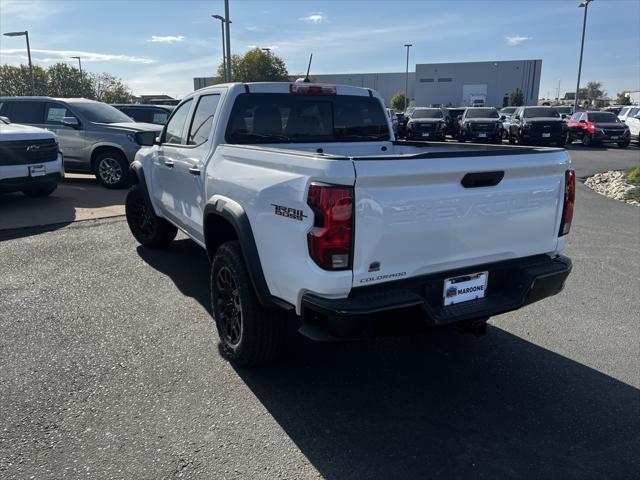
598, 127
426, 124
480, 125
156, 114
537, 126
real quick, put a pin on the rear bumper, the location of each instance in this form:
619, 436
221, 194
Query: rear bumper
512, 284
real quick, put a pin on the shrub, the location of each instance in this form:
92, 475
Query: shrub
634, 175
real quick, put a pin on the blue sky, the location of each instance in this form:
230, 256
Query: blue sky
159, 46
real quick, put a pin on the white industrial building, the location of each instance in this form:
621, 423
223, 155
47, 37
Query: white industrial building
454, 84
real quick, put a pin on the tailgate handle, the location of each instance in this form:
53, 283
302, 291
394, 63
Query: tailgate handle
482, 179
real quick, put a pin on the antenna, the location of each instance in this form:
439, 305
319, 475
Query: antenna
306, 78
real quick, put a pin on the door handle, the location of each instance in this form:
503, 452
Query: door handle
169, 163
194, 171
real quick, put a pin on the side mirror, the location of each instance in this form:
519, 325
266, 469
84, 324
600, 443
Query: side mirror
583, 121
459, 117
564, 115
146, 139
503, 117
72, 122
517, 117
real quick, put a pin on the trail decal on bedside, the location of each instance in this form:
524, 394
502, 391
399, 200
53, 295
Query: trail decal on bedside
289, 212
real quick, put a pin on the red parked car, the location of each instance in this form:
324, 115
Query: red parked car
597, 127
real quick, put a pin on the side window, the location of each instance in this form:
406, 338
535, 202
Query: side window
175, 126
203, 119
633, 112
138, 114
27, 112
56, 112
159, 116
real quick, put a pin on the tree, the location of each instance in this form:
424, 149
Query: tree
398, 101
64, 81
109, 89
16, 81
516, 99
256, 66
623, 98
591, 92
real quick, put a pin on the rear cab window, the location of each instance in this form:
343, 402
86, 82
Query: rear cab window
286, 118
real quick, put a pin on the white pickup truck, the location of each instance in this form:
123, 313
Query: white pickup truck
310, 210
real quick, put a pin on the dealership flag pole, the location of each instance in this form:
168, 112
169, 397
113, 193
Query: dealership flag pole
406, 79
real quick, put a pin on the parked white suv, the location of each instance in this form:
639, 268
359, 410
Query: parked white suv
30, 161
632, 119
307, 206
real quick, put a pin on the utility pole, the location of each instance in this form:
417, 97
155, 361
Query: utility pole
228, 39
224, 55
585, 5
406, 78
26, 34
81, 78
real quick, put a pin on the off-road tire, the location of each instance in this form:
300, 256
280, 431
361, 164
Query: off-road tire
147, 228
111, 169
250, 334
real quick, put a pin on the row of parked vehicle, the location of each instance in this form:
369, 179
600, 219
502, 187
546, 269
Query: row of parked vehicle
92, 136
528, 125
103, 139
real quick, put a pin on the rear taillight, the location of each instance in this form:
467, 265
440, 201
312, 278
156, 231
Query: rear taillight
331, 238
569, 200
312, 89
591, 127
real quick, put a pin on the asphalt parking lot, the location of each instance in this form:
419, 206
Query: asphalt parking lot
109, 368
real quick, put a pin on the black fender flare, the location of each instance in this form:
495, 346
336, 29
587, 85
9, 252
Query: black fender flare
136, 177
240, 223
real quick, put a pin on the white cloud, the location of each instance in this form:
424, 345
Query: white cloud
31, 11
270, 47
314, 18
516, 39
57, 55
166, 38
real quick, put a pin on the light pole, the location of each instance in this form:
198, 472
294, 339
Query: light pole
228, 38
81, 79
26, 34
585, 5
224, 55
406, 78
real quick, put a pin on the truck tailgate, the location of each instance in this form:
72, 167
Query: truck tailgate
414, 216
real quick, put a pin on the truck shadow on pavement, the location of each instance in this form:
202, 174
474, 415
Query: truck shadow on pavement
439, 405
186, 264
447, 406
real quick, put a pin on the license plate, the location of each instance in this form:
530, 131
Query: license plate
546, 135
465, 288
482, 135
425, 134
37, 171
613, 137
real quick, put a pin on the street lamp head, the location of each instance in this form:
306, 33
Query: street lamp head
408, 44
77, 58
584, 3
221, 18
15, 34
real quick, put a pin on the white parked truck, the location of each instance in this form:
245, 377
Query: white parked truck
310, 210
30, 160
